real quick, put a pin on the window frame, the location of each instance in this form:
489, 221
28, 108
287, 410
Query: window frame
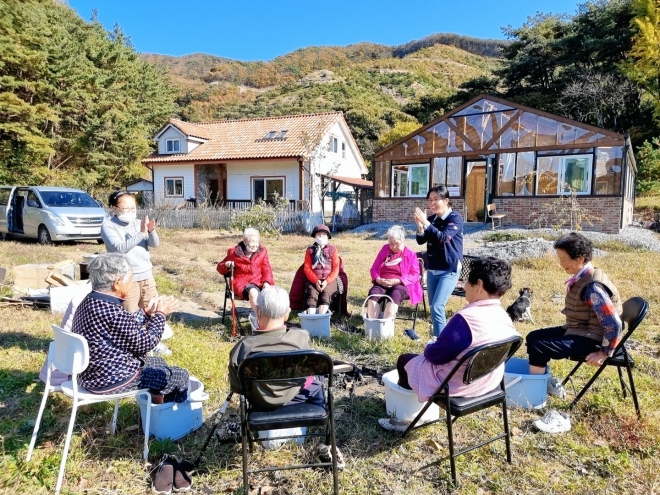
343, 149
173, 141
333, 144
410, 166
266, 178
562, 174
165, 179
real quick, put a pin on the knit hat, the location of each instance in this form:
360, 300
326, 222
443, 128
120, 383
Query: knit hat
323, 229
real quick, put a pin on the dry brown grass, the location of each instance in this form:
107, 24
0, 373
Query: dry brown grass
608, 450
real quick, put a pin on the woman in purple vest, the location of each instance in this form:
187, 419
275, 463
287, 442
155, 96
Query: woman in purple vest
482, 321
394, 273
321, 271
592, 329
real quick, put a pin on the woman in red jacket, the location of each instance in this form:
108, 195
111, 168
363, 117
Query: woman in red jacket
321, 271
252, 270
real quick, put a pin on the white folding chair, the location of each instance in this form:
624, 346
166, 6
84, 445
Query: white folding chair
70, 353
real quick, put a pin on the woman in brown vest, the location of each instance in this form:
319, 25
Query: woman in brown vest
593, 326
321, 270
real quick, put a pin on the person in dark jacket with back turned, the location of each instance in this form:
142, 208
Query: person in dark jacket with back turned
442, 232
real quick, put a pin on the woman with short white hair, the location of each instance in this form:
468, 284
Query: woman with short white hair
251, 266
395, 273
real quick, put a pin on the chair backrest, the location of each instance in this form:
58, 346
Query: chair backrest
421, 271
483, 359
70, 352
634, 311
492, 208
284, 366
466, 266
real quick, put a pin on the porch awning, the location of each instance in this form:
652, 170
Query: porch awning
351, 181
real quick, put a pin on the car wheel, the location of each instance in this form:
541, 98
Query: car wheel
99, 241
44, 236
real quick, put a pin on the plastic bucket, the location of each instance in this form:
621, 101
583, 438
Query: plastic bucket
377, 328
276, 443
522, 389
172, 420
402, 403
316, 325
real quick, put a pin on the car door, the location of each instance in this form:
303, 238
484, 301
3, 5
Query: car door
5, 208
31, 214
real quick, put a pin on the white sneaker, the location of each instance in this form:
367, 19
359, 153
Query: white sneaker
394, 425
556, 388
162, 350
432, 341
553, 422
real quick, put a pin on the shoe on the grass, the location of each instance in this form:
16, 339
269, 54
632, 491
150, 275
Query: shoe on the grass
162, 350
182, 476
394, 425
164, 477
325, 455
555, 388
410, 332
554, 422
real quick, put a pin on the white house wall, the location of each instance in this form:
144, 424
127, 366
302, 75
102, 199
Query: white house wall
240, 174
184, 171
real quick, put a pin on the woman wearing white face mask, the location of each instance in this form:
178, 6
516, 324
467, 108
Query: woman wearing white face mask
252, 270
321, 271
125, 233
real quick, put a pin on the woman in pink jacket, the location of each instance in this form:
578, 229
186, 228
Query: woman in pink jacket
394, 273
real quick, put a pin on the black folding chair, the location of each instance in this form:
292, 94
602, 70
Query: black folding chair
476, 363
634, 311
463, 276
269, 369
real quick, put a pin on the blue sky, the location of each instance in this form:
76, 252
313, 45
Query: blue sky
262, 30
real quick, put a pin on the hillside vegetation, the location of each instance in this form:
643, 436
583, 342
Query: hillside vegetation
370, 83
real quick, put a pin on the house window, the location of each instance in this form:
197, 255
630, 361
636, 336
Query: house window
343, 150
173, 145
447, 172
267, 188
564, 174
410, 180
333, 144
174, 187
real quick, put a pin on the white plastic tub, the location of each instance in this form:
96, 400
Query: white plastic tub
402, 403
377, 328
317, 325
276, 444
172, 420
522, 389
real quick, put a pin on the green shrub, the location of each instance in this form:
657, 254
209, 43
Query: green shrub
262, 216
504, 237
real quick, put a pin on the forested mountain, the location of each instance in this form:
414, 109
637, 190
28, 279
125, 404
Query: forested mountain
78, 106
368, 82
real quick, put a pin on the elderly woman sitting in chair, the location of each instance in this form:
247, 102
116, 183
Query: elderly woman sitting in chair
252, 270
395, 273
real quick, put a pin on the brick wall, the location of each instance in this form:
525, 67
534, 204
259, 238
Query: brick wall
604, 212
402, 209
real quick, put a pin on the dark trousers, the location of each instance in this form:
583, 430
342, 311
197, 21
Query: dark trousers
316, 298
401, 369
553, 343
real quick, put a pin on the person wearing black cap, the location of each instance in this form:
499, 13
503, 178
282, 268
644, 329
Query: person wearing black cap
321, 271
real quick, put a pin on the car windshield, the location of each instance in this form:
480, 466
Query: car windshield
68, 199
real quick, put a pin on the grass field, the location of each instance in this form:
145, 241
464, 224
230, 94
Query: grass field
607, 451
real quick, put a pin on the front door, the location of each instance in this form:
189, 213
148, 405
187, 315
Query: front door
475, 191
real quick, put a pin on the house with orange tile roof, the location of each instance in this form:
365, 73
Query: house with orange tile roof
238, 162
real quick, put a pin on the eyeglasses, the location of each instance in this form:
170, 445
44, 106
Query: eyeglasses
127, 210
435, 200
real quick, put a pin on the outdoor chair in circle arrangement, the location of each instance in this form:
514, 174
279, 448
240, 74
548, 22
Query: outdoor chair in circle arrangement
268, 371
634, 311
69, 353
475, 364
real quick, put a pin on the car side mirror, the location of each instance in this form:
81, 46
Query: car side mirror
32, 203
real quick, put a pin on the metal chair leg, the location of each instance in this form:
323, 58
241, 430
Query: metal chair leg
507, 438
633, 391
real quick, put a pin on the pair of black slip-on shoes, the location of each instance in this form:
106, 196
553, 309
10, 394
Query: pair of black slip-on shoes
172, 475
